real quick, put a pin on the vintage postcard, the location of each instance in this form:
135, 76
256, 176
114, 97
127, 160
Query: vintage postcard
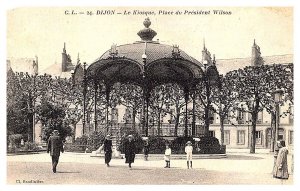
150, 96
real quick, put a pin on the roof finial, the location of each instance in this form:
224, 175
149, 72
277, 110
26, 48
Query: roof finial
254, 43
147, 22
203, 43
147, 33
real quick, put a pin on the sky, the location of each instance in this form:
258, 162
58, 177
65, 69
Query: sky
43, 31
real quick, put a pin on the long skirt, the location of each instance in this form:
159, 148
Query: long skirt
281, 167
107, 157
129, 158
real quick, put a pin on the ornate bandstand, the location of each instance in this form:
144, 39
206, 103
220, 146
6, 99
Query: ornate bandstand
146, 63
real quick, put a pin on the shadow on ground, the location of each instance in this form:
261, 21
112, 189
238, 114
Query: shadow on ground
241, 157
70, 172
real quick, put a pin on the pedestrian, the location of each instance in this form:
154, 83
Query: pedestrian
189, 154
146, 149
107, 148
167, 156
281, 167
55, 146
129, 147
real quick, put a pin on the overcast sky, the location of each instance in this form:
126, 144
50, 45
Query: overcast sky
42, 31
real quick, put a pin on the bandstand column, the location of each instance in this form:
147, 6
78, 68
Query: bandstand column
107, 92
194, 116
186, 98
147, 114
95, 104
84, 97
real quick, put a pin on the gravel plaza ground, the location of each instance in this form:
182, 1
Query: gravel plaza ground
239, 168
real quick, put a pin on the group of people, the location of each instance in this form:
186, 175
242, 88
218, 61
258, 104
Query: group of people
189, 155
55, 146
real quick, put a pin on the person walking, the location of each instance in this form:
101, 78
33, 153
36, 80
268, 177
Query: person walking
146, 149
107, 148
281, 167
129, 147
55, 146
167, 156
189, 154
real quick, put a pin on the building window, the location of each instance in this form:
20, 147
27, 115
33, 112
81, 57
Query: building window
212, 133
291, 137
241, 137
281, 134
211, 117
291, 115
241, 117
259, 118
227, 137
258, 135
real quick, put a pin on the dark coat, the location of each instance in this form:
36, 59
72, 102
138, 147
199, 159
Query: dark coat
55, 145
146, 148
129, 151
107, 145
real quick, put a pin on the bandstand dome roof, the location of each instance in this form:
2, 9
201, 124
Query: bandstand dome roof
146, 61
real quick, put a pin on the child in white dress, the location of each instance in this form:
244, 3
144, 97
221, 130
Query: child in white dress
167, 156
189, 154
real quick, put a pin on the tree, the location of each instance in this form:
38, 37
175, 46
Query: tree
159, 98
175, 104
255, 85
204, 93
53, 117
17, 122
225, 99
280, 77
131, 97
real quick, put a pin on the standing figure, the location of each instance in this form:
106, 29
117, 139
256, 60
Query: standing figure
129, 146
55, 146
146, 150
189, 154
107, 148
281, 167
167, 156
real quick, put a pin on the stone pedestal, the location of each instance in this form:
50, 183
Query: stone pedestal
38, 133
79, 127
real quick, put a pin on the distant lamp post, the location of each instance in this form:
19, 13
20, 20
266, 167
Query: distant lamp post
277, 98
35, 73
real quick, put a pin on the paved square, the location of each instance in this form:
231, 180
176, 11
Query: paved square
238, 168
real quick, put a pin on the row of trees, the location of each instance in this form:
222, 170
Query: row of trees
57, 104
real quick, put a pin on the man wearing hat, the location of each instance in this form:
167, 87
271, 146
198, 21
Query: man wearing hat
129, 150
189, 154
107, 147
55, 146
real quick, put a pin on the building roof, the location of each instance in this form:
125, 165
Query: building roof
226, 65
21, 64
56, 70
146, 60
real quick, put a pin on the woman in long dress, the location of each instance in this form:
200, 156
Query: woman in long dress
129, 150
281, 167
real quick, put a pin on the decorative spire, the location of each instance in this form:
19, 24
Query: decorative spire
64, 50
147, 34
254, 44
204, 44
78, 59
